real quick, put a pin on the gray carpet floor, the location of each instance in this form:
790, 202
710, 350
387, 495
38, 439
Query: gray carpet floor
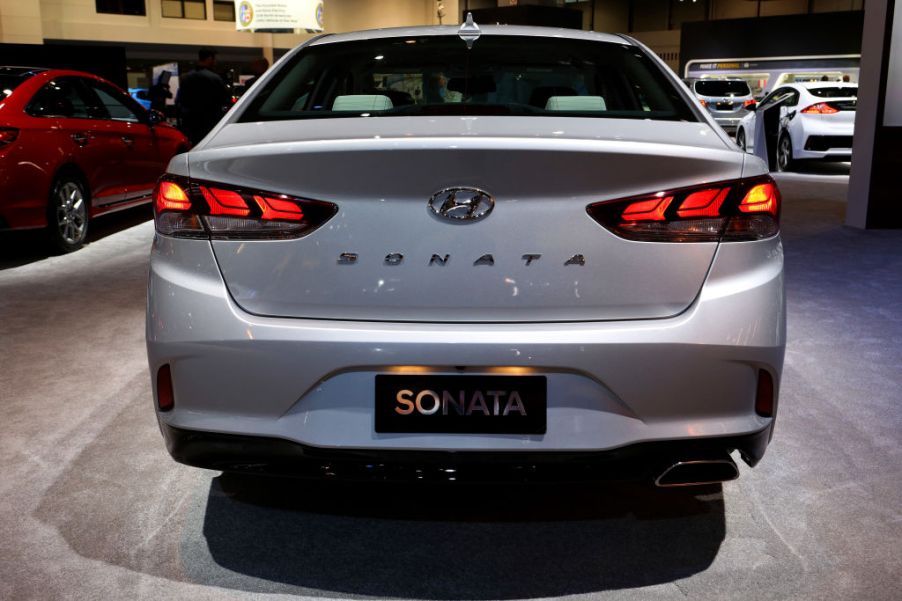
91, 506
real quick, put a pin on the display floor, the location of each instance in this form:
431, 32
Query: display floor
92, 507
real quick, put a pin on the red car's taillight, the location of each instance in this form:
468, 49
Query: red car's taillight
821, 108
193, 209
746, 209
8, 135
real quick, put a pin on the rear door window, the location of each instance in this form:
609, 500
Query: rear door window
8, 83
62, 97
500, 75
116, 105
837, 92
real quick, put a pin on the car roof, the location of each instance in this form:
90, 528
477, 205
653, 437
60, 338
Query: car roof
486, 30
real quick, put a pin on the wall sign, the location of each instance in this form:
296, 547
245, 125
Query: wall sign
265, 15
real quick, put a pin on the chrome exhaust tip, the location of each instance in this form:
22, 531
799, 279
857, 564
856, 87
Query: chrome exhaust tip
698, 472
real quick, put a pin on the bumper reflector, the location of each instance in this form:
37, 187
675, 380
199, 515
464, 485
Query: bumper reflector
764, 400
165, 397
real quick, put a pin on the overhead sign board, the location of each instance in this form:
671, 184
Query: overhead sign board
265, 15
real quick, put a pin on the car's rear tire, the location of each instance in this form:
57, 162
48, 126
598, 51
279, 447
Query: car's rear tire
740, 140
785, 161
67, 213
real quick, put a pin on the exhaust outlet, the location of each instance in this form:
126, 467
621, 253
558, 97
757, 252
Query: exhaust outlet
698, 472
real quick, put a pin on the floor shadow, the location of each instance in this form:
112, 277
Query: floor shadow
19, 248
460, 541
822, 167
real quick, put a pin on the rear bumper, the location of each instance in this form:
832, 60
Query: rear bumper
610, 385
817, 138
261, 455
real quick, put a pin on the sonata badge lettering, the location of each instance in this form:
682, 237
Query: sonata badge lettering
397, 258
462, 204
431, 402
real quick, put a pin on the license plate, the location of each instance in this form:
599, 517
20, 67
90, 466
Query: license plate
461, 404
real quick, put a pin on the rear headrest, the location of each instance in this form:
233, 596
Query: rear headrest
362, 102
576, 103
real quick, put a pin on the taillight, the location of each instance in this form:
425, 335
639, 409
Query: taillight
194, 209
8, 135
746, 209
821, 108
703, 102
749, 102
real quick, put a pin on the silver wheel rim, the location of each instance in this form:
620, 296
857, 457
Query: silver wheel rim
71, 213
783, 155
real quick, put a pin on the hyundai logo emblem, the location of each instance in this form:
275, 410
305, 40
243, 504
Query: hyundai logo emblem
461, 204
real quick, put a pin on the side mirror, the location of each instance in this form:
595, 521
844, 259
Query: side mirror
155, 117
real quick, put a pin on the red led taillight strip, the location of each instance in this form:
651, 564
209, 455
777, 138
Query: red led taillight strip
647, 210
169, 196
746, 209
225, 202
204, 210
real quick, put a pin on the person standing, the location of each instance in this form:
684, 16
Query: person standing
202, 98
159, 92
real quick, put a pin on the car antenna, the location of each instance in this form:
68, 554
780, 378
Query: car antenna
469, 31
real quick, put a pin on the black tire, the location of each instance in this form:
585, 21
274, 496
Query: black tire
785, 161
740, 140
67, 213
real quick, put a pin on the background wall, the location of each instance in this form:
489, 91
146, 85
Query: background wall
33, 21
20, 21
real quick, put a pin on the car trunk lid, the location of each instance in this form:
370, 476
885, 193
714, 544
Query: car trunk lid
537, 257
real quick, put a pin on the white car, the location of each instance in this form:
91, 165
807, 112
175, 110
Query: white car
507, 252
816, 121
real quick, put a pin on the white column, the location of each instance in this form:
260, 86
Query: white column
870, 104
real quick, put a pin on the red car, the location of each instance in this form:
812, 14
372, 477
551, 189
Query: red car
74, 146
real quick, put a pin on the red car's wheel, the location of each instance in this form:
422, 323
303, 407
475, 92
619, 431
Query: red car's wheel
67, 213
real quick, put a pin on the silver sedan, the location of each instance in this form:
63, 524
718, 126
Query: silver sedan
498, 252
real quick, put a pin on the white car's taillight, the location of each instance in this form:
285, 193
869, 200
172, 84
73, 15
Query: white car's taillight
821, 108
194, 209
746, 209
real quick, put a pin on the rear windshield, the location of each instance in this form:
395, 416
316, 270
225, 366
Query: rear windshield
834, 92
722, 88
500, 75
8, 83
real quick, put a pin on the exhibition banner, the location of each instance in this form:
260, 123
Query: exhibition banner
263, 15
